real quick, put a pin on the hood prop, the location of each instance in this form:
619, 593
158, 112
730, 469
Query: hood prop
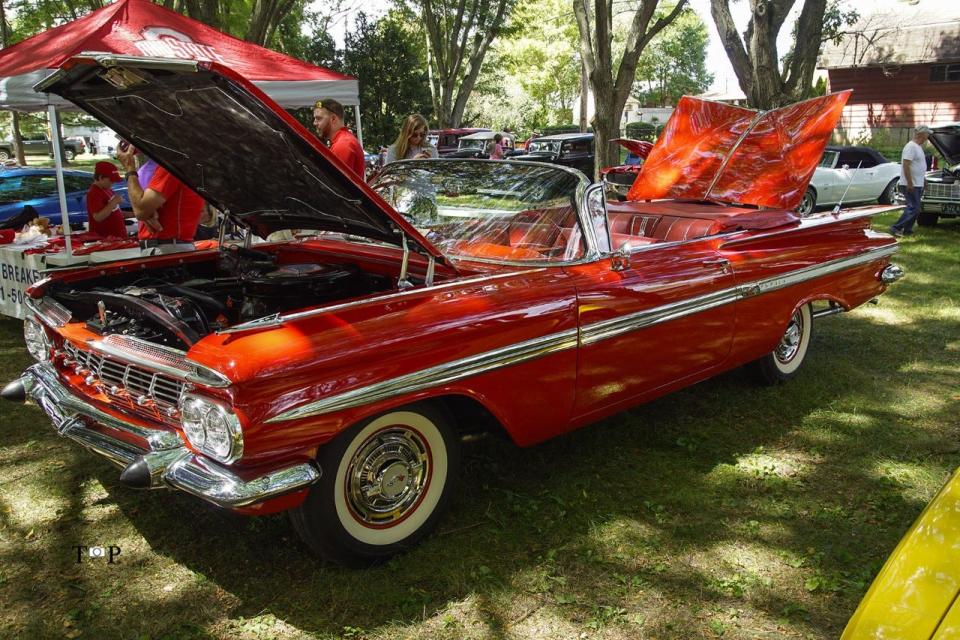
403, 283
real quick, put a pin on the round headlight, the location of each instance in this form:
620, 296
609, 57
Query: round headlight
219, 441
191, 418
211, 427
38, 342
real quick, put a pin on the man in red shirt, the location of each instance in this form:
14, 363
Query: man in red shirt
103, 205
328, 121
167, 209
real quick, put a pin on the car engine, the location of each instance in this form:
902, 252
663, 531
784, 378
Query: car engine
178, 307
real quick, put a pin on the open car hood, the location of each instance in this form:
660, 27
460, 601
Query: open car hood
231, 144
722, 153
946, 139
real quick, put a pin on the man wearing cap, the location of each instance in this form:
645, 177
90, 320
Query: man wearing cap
103, 205
913, 166
328, 121
167, 209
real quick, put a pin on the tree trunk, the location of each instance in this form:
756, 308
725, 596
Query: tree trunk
584, 96
17, 139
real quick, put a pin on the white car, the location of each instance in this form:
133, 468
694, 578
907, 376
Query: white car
851, 174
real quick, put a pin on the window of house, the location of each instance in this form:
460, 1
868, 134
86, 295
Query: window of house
945, 73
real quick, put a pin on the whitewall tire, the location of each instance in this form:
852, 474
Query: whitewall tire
384, 484
785, 360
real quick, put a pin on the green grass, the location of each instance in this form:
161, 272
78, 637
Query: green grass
721, 510
83, 162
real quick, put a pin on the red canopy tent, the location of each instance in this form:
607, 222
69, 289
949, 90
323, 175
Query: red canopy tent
141, 28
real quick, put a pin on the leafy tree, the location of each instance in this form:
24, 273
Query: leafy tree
542, 59
766, 81
390, 58
611, 91
675, 63
459, 34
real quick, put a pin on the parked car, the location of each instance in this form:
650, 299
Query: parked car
39, 145
37, 188
853, 174
941, 187
447, 140
568, 149
335, 376
915, 595
478, 145
619, 179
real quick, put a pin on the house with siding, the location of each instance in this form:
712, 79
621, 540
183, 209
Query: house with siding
903, 63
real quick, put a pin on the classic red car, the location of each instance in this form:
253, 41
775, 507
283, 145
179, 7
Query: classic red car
335, 376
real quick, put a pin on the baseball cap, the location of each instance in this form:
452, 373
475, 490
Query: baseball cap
923, 129
105, 168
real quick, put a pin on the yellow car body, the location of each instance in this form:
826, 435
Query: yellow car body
914, 597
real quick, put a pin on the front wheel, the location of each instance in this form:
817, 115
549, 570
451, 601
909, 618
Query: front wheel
889, 193
69, 154
784, 361
385, 482
808, 203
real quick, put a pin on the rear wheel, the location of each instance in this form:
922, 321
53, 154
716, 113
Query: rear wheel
69, 154
385, 483
784, 361
927, 219
808, 203
888, 194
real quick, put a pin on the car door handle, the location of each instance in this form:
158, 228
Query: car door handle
723, 263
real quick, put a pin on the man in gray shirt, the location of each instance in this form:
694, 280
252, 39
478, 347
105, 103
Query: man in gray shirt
913, 166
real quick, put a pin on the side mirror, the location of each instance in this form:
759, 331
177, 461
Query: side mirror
620, 259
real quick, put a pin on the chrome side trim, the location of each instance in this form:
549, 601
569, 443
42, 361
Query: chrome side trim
168, 360
437, 375
597, 331
49, 311
169, 461
587, 334
276, 319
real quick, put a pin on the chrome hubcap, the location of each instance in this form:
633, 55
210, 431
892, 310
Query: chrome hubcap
388, 476
790, 342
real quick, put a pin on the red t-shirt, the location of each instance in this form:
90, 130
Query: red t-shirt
180, 213
348, 150
112, 225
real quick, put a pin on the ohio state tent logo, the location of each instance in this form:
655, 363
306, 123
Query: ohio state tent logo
163, 42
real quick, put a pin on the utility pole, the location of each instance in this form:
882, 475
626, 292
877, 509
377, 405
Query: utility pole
15, 125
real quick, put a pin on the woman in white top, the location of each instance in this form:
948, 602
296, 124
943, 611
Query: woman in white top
412, 143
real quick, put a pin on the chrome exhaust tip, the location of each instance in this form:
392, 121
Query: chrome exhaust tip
891, 274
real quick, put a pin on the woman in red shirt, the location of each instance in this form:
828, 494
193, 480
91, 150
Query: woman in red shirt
103, 205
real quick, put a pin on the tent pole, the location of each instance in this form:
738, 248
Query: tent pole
356, 111
57, 142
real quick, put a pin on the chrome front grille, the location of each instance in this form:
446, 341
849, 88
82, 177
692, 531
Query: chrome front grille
941, 190
133, 388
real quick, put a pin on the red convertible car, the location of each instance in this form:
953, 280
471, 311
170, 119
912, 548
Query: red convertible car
335, 376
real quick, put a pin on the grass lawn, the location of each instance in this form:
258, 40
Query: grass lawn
83, 162
724, 510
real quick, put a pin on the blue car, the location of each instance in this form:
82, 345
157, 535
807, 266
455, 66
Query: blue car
37, 187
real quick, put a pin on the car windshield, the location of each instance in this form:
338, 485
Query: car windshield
500, 212
544, 146
829, 159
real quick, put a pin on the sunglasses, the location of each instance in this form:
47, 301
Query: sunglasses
418, 134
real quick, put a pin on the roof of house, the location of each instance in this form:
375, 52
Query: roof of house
898, 34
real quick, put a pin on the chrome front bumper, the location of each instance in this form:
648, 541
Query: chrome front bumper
169, 461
